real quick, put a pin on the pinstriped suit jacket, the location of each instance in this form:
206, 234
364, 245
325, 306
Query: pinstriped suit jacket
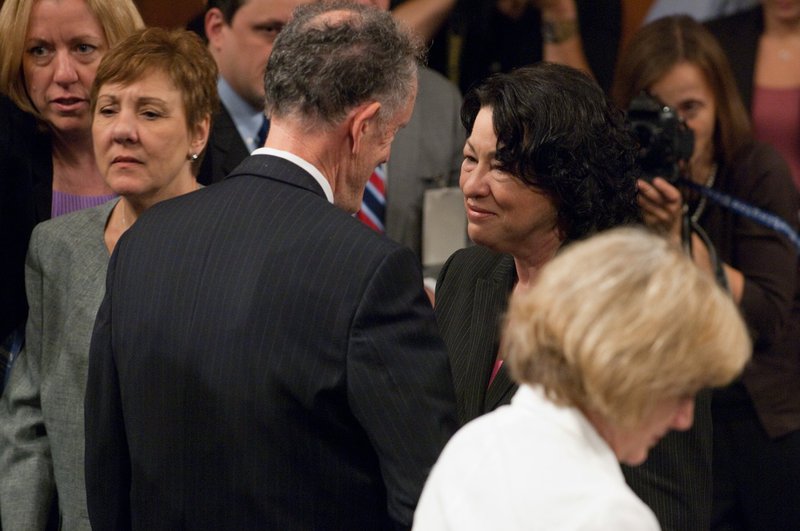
471, 297
41, 412
262, 360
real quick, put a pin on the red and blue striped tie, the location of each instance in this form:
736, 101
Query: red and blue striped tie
373, 204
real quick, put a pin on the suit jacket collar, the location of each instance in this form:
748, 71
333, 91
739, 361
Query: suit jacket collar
278, 169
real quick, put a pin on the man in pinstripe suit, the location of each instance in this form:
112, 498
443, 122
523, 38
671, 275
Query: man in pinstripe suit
262, 360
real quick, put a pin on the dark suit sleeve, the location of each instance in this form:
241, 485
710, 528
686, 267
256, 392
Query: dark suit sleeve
399, 385
107, 462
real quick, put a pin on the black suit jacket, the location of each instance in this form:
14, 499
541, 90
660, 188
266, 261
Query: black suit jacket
225, 151
262, 360
471, 298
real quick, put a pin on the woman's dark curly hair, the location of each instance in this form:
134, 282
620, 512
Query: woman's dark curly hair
558, 132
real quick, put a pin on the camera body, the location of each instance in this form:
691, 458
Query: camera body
664, 139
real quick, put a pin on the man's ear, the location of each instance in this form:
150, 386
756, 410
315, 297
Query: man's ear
214, 22
363, 120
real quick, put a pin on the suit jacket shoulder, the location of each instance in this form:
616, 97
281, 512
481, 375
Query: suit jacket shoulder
73, 227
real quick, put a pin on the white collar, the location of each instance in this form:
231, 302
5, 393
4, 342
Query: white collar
310, 168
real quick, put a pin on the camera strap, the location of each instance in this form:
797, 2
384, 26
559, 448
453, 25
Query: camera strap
740, 207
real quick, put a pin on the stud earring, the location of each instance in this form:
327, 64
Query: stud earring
193, 157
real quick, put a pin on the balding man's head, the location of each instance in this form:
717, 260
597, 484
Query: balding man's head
334, 56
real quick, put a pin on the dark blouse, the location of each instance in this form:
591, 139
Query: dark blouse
771, 298
26, 176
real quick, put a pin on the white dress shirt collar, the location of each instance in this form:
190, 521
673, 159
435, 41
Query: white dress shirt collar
310, 168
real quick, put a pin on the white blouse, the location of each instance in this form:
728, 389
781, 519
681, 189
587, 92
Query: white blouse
529, 465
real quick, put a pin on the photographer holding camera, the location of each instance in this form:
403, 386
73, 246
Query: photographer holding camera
756, 420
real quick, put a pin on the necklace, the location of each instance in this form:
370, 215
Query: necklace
701, 205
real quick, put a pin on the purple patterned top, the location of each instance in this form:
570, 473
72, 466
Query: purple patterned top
64, 203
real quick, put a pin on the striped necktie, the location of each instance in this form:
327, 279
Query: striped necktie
373, 205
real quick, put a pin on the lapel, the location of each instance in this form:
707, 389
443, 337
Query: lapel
488, 306
501, 390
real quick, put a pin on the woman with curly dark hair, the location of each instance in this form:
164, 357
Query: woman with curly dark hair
548, 161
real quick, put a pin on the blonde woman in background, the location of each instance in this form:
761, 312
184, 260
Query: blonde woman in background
48, 60
609, 346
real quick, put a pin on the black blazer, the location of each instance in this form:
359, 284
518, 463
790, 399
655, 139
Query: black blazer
471, 299
225, 151
262, 360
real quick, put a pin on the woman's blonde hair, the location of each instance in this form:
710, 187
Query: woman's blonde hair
118, 18
621, 321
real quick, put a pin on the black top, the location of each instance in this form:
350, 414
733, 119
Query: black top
26, 183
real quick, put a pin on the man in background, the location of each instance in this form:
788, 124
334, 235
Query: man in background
240, 36
261, 359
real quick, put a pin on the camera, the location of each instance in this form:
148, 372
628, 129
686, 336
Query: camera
663, 137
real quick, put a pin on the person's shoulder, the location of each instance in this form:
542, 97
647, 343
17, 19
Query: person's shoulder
721, 26
757, 159
615, 508
431, 80
74, 223
476, 259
